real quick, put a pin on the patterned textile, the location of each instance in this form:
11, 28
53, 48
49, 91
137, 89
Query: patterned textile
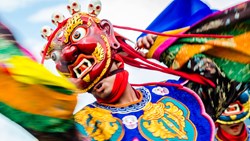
161, 113
225, 61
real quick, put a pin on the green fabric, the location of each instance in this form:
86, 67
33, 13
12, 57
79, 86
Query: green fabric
8, 49
168, 56
60, 89
234, 70
36, 122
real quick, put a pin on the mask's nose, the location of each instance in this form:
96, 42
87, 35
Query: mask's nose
69, 54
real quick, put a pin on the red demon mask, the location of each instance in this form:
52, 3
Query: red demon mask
81, 48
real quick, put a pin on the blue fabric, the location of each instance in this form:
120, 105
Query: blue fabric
178, 14
137, 127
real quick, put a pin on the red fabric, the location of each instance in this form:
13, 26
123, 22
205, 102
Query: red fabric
146, 64
120, 84
119, 87
224, 136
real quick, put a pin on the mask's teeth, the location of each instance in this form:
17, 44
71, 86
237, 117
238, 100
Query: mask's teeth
82, 67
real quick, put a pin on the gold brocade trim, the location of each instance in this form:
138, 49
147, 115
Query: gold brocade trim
98, 123
157, 113
72, 23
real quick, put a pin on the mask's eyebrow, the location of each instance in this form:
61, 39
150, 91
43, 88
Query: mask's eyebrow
71, 24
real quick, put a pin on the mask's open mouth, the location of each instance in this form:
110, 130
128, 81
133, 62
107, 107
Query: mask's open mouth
82, 66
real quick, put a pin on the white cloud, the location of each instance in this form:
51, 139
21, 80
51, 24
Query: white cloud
12, 5
34, 46
131, 13
44, 15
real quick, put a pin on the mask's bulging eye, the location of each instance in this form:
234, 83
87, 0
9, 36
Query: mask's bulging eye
55, 56
78, 34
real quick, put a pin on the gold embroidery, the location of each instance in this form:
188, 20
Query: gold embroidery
155, 113
98, 123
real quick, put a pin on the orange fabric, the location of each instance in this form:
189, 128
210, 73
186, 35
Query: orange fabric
235, 49
35, 99
186, 52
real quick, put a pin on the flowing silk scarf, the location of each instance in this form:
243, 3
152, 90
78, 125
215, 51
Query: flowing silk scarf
120, 83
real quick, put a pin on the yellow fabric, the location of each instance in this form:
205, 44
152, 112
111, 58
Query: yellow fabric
36, 99
160, 39
234, 49
24, 89
28, 71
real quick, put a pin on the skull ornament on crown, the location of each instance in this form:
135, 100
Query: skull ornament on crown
81, 45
